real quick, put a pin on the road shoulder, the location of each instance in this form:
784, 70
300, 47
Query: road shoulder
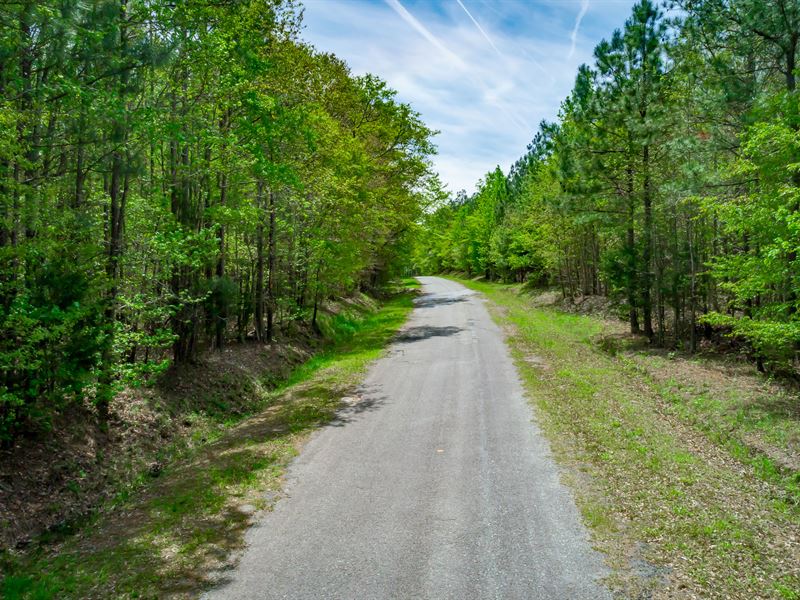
171, 537
677, 515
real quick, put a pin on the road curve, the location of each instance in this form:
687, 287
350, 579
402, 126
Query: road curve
436, 484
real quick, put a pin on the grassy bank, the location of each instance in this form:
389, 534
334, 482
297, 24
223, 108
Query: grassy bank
682, 467
170, 536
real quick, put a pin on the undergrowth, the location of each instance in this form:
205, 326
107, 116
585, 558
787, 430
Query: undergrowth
168, 537
676, 508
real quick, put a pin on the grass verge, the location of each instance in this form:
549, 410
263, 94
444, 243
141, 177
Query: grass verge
168, 538
675, 509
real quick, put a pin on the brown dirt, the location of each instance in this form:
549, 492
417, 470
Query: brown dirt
739, 385
51, 480
712, 371
585, 305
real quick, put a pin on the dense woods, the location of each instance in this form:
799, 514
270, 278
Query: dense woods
670, 183
176, 176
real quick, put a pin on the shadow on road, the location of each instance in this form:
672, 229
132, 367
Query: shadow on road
430, 300
423, 332
351, 411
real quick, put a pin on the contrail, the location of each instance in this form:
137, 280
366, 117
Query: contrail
574, 35
483, 33
535, 62
454, 58
424, 32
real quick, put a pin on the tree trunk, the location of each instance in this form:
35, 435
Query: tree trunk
115, 227
258, 309
676, 291
117, 193
647, 243
80, 171
630, 241
692, 295
271, 268
222, 318
314, 325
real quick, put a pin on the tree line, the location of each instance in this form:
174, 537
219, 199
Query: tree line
670, 182
178, 175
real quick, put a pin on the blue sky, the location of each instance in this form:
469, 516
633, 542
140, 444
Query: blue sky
482, 72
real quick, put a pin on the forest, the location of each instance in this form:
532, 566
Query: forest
669, 183
222, 372
175, 177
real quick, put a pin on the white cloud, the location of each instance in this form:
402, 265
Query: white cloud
423, 31
482, 74
574, 35
478, 26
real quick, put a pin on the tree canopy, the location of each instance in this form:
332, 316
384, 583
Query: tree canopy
174, 176
669, 182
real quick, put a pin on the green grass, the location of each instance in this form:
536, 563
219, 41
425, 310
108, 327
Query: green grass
165, 538
411, 283
667, 503
733, 413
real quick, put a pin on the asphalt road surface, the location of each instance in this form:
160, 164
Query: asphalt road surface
435, 483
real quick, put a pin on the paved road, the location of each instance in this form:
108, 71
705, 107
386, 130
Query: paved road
435, 485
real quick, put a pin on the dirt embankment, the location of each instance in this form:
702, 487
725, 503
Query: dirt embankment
49, 480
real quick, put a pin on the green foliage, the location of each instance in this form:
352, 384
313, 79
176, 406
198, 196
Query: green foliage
670, 183
661, 484
774, 342
176, 176
197, 504
52, 337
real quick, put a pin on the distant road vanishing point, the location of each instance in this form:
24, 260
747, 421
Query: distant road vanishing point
435, 483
